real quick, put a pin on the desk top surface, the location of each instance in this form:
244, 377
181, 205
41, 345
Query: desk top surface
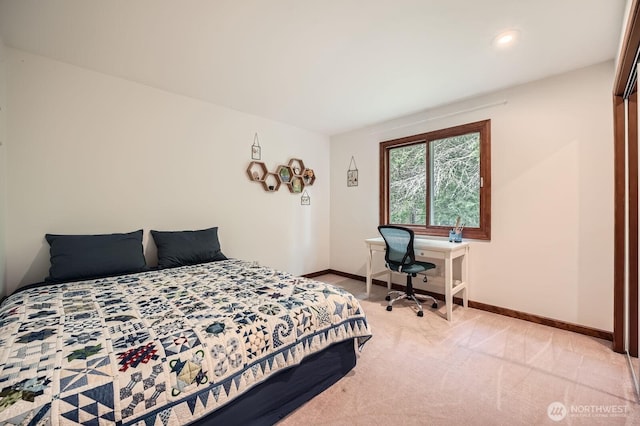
423, 243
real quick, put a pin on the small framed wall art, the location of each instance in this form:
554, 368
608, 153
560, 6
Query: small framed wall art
255, 148
352, 173
305, 199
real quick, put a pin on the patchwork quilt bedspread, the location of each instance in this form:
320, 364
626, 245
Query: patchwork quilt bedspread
161, 347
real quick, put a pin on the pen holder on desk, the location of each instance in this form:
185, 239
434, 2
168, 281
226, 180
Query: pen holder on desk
455, 237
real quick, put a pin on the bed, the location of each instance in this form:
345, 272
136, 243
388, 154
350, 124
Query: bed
221, 342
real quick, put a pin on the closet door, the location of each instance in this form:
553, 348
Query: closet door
626, 229
631, 299
633, 296
626, 201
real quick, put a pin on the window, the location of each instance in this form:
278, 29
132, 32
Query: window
429, 180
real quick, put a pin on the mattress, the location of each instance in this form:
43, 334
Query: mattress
166, 347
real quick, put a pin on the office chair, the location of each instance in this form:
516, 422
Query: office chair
400, 257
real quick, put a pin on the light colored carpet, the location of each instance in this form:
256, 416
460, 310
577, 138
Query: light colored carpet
480, 369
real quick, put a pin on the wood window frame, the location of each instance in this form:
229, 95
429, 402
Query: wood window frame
483, 232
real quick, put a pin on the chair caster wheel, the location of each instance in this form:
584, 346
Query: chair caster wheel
387, 298
434, 306
420, 313
389, 308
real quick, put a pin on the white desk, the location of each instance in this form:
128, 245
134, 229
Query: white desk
430, 249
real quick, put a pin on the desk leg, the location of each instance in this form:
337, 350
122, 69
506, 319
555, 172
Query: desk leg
369, 262
448, 286
465, 278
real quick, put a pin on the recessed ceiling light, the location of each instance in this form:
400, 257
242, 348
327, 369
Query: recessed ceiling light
506, 39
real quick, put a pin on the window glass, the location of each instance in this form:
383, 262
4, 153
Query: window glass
407, 184
455, 180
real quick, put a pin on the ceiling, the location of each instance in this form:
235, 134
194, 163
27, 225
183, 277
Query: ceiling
326, 65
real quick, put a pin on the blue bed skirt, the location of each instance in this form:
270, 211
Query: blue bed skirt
274, 399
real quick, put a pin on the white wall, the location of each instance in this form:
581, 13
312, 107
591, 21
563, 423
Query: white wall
91, 153
3, 173
551, 252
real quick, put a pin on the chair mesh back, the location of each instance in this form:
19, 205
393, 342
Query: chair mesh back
399, 243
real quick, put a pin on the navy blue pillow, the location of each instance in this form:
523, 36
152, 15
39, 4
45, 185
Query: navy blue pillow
179, 248
79, 257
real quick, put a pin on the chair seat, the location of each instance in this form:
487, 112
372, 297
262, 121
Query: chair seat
414, 268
